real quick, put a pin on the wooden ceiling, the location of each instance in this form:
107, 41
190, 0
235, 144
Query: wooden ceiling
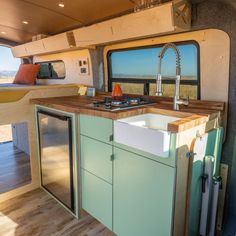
46, 17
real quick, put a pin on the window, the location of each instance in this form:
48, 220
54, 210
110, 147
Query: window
136, 69
8, 65
51, 70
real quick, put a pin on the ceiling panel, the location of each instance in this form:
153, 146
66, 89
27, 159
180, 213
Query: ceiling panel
41, 20
87, 11
15, 35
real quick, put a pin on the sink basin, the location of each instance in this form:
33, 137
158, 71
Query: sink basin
147, 132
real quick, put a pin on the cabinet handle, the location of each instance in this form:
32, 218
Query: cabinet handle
112, 157
111, 138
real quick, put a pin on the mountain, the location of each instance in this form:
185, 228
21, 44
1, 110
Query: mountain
7, 73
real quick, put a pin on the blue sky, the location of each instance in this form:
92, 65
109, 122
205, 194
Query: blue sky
144, 61
7, 61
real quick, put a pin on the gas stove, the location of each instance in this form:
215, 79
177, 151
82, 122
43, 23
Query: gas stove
110, 104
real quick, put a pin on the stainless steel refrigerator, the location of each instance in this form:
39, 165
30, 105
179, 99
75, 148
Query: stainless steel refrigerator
56, 156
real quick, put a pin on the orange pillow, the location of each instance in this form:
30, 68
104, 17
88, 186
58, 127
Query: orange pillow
27, 74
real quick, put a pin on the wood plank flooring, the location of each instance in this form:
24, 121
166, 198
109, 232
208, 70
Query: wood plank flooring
14, 167
37, 214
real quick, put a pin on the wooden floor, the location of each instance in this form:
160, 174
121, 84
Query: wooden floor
37, 214
14, 167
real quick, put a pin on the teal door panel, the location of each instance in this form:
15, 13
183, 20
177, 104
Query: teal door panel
212, 148
143, 195
96, 127
97, 198
96, 158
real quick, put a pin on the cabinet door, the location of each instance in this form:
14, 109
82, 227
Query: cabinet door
34, 48
96, 127
96, 158
97, 198
19, 51
143, 195
56, 43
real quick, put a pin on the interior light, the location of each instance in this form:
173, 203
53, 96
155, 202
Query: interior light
61, 4
25, 22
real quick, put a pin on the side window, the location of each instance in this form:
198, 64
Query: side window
52, 70
136, 70
8, 65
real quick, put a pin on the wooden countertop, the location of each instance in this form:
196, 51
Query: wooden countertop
198, 112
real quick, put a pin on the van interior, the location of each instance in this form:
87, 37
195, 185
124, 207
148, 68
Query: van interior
118, 118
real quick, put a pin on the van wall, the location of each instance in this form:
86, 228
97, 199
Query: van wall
71, 60
207, 40
213, 14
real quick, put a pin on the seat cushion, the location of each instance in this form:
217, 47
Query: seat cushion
27, 74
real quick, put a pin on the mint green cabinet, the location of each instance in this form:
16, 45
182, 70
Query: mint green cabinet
96, 127
143, 192
96, 158
96, 167
97, 198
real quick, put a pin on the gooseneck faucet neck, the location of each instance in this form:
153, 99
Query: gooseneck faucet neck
177, 54
177, 100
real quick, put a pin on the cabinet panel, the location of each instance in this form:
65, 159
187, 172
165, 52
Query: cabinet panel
19, 51
96, 158
96, 127
97, 198
35, 47
143, 195
56, 43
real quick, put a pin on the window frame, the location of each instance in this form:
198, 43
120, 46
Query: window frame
49, 62
147, 82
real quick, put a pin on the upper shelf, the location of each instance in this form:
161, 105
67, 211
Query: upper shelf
57, 43
170, 17
174, 16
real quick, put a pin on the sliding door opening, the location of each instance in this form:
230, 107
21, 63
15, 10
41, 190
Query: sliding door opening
15, 168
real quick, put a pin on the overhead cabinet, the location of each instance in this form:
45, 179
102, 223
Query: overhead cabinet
35, 47
19, 51
28, 49
170, 17
174, 16
57, 43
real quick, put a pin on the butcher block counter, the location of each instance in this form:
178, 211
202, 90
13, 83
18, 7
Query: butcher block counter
196, 113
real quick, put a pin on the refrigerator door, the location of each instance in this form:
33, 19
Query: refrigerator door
55, 136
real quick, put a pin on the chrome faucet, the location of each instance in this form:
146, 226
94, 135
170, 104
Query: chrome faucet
177, 100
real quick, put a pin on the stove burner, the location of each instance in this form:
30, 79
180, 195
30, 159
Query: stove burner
122, 103
116, 103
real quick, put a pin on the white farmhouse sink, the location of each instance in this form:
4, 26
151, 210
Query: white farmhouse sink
147, 132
